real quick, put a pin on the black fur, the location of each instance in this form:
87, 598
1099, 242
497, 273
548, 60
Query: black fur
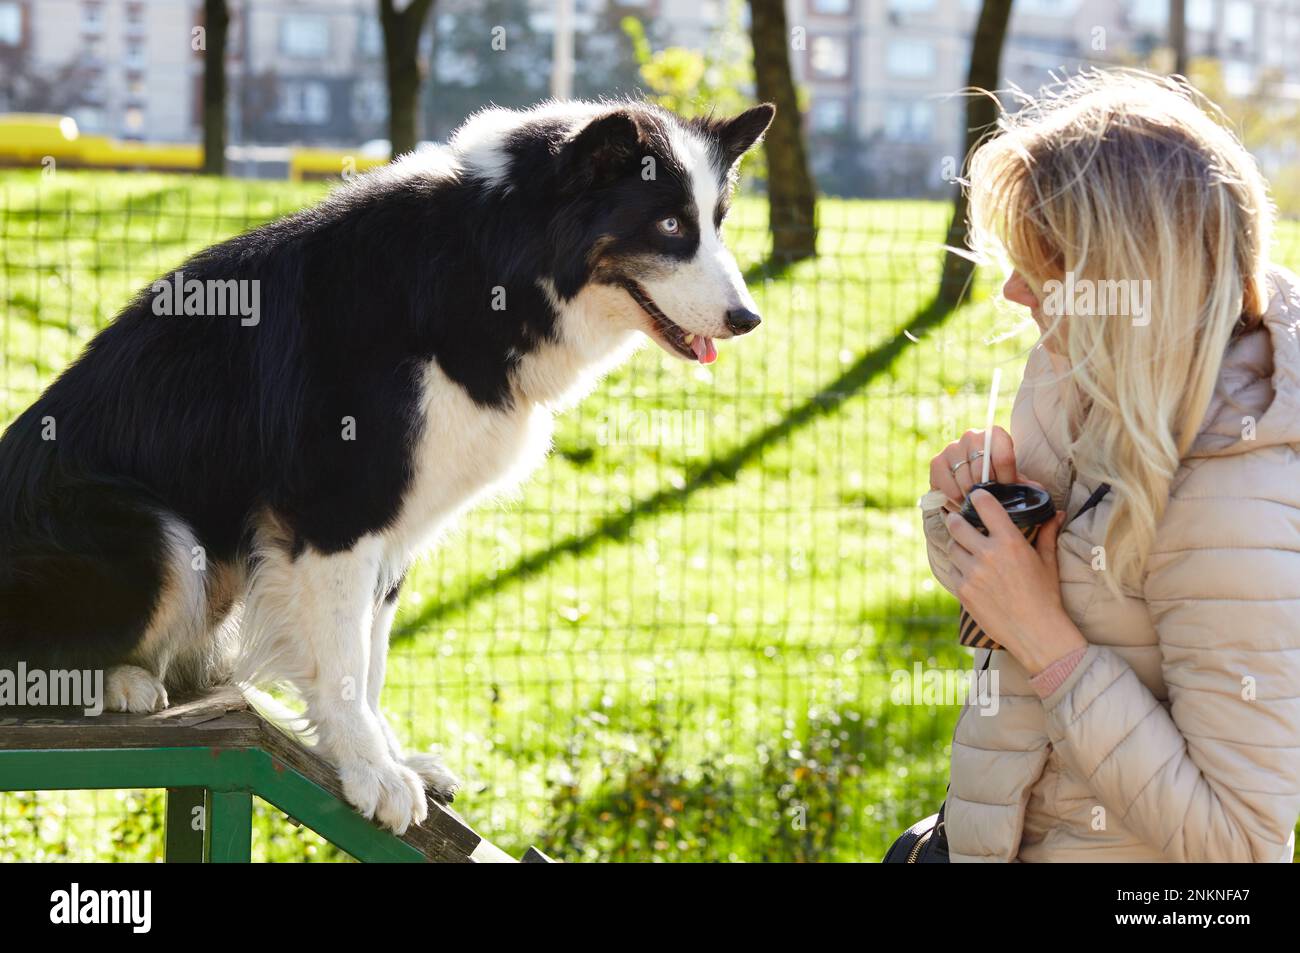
210, 422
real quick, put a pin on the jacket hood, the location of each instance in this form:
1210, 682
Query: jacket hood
1259, 382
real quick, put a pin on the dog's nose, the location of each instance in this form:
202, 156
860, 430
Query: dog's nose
742, 320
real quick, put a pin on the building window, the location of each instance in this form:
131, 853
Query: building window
134, 56
1048, 8
1239, 21
369, 99
89, 118
1149, 13
92, 18
1239, 78
370, 37
304, 36
832, 8
829, 114
909, 121
11, 23
1200, 15
92, 89
830, 57
92, 53
133, 121
306, 102
910, 59
910, 6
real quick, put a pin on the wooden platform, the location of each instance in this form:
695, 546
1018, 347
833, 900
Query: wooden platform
217, 751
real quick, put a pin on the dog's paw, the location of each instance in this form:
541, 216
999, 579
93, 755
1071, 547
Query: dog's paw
441, 783
131, 688
387, 792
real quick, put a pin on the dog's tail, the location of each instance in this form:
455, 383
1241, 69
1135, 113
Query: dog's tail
282, 716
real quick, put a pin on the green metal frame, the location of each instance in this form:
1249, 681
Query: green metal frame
183, 838
220, 782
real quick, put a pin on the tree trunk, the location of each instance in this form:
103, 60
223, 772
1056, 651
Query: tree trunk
1178, 35
981, 115
216, 23
403, 70
791, 195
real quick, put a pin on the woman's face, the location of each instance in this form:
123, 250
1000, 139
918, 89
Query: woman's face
1017, 290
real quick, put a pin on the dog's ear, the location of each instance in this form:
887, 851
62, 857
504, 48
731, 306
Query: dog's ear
739, 134
605, 148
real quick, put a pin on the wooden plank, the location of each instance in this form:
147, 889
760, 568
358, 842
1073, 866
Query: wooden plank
489, 853
219, 720
306, 798
443, 835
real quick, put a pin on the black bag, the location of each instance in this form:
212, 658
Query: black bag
925, 842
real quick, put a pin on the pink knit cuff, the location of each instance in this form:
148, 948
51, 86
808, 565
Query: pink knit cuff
1054, 676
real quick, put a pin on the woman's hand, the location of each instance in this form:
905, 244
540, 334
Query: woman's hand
959, 465
1012, 589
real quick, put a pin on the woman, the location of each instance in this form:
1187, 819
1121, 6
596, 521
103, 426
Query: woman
1149, 680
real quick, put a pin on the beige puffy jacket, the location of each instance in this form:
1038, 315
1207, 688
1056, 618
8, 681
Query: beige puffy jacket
1177, 737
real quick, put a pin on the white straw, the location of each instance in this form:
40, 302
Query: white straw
988, 426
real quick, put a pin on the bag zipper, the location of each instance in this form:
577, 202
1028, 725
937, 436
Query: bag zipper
920, 842
925, 839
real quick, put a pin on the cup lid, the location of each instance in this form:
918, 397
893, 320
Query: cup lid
1028, 506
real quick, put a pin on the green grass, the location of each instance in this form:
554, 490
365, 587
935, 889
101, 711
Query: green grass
676, 642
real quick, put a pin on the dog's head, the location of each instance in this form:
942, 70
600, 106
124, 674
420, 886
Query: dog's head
647, 193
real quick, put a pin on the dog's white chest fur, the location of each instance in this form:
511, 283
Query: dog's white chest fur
463, 453
466, 452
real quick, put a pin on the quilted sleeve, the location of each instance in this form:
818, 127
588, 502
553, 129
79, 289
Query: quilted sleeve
1215, 776
937, 539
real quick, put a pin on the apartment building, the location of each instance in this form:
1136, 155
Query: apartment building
119, 66
880, 74
299, 70
308, 71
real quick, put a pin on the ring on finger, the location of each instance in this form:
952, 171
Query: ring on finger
976, 455
959, 465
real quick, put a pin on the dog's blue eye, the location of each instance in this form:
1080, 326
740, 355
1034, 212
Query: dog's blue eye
670, 226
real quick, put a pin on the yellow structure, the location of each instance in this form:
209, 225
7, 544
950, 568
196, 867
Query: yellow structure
27, 139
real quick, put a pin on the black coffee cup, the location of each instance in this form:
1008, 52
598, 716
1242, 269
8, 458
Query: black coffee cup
1029, 508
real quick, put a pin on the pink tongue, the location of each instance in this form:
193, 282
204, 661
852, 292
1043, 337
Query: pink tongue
704, 350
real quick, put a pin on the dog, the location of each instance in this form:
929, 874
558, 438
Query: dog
206, 496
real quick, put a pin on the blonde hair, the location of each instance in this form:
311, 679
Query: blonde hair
1123, 176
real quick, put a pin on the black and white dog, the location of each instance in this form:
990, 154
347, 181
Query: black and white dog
203, 497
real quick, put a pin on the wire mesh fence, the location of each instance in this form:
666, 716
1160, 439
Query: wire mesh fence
699, 632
